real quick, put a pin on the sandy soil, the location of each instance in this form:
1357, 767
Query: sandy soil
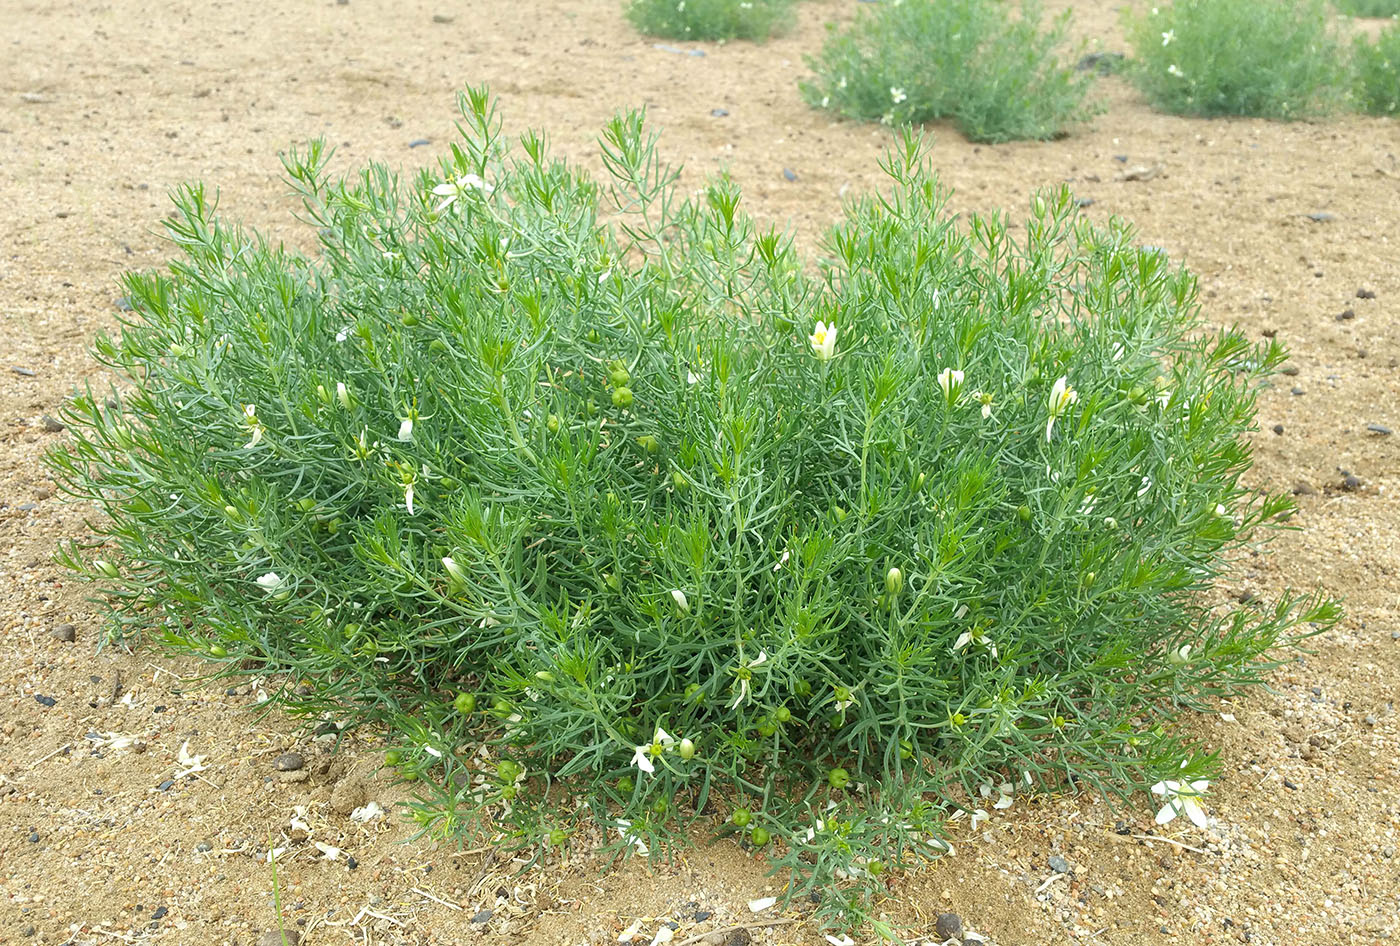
107, 104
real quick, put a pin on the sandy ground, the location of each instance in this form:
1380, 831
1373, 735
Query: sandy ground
105, 105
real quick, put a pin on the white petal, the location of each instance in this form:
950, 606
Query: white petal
367, 813
679, 597
761, 904
626, 935
642, 759
329, 850
445, 190
1004, 801
1168, 812
406, 429
664, 935
408, 498
1194, 811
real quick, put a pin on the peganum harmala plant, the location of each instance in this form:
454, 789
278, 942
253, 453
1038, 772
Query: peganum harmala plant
607, 509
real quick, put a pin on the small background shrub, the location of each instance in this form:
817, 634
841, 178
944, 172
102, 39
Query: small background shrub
523, 487
1378, 72
710, 19
1239, 57
987, 65
1373, 8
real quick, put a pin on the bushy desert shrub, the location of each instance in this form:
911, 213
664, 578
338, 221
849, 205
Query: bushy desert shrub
710, 19
1239, 57
984, 64
611, 513
1378, 72
1372, 8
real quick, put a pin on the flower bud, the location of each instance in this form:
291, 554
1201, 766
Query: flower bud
682, 604
679, 481
454, 569
687, 749
106, 568
544, 676
552, 423
322, 394
894, 582
649, 443
1023, 513
437, 346
342, 394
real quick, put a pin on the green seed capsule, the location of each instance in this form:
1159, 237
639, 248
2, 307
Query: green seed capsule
106, 568
552, 423
679, 482
838, 778
626, 785
649, 443
740, 817
437, 346
783, 714
558, 837
759, 837
622, 397
465, 703
1023, 513
393, 757
409, 319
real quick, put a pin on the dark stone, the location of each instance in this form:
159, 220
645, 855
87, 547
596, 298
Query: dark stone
1351, 481
1297, 391
1378, 429
34, 837
482, 917
1303, 489
702, 915
288, 762
1278, 429
52, 424
1058, 864
1085, 201
419, 142
1290, 370
159, 708
64, 632
1121, 827
1346, 315
350, 862
159, 913
167, 785
948, 926
442, 18
1364, 293
204, 847
740, 937
43, 700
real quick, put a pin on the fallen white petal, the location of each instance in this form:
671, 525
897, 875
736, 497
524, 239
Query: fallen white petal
761, 904
626, 935
329, 850
367, 813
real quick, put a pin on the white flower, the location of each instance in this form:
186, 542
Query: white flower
777, 566
367, 813
1220, 509
1144, 486
897, 94
270, 582
747, 673
660, 742
823, 339
453, 568
1061, 397
682, 604
1168, 36
1181, 655
826, 100
452, 191
887, 118
1174, 70
843, 940
985, 400
406, 429
343, 334
1182, 797
624, 828
250, 416
842, 83
950, 380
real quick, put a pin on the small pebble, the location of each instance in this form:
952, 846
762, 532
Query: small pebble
43, 700
350, 862
1289, 785
1370, 721
419, 142
1297, 392
167, 785
1303, 489
1058, 864
1378, 429
288, 762
1290, 370
22, 372
1121, 158
159, 913
1346, 315
1364, 293
52, 424
204, 847
1085, 201
790, 174
442, 18
1321, 217
948, 925
702, 915
483, 917
1278, 429
1351, 481
719, 112
34, 837
274, 938
64, 632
